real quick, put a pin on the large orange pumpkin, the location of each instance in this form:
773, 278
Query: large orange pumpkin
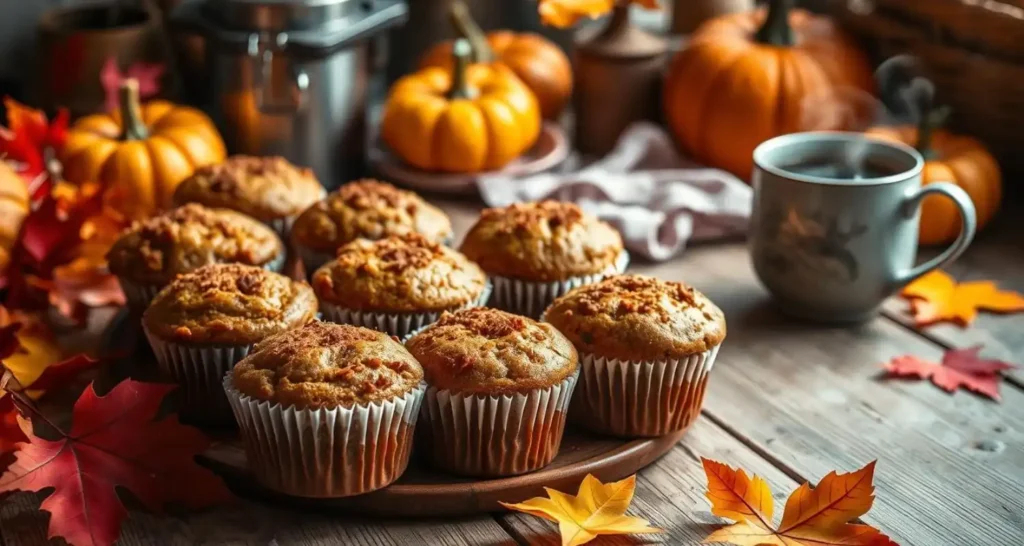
747, 77
14, 206
140, 153
949, 157
474, 118
541, 64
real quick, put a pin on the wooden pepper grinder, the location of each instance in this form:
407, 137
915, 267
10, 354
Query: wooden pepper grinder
618, 81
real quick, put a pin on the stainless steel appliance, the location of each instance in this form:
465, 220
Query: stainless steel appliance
290, 77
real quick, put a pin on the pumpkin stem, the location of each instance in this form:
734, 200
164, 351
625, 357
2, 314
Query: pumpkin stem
131, 111
776, 30
463, 22
462, 52
931, 121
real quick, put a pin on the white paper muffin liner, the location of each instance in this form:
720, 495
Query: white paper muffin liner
530, 299
199, 371
138, 296
640, 399
489, 436
336, 452
396, 324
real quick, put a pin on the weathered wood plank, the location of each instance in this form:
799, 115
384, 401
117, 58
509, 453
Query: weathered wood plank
670, 493
950, 467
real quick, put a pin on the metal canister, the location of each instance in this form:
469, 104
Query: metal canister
290, 77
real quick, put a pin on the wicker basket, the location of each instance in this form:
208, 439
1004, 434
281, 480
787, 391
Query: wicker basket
973, 50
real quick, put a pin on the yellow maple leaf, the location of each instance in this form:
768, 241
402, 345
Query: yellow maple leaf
937, 297
39, 349
597, 509
812, 517
566, 13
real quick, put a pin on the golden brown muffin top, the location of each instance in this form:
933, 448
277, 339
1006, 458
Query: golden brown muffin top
155, 250
229, 304
324, 365
368, 209
491, 352
637, 318
545, 241
399, 274
266, 188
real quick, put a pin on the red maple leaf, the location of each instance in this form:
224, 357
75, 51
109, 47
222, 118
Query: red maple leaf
113, 442
10, 432
27, 137
148, 75
9, 343
960, 368
60, 374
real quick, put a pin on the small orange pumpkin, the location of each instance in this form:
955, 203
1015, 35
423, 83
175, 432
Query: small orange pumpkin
538, 62
474, 118
14, 206
949, 157
748, 77
140, 153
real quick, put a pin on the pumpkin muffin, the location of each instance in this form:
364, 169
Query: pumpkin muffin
327, 410
269, 189
499, 389
205, 321
152, 252
535, 252
646, 347
398, 284
364, 209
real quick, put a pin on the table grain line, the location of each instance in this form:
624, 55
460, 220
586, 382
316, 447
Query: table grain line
507, 527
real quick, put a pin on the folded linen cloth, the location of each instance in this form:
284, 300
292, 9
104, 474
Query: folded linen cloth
656, 198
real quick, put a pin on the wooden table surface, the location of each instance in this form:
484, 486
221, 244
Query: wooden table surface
789, 401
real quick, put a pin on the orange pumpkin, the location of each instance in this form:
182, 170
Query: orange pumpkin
140, 153
474, 118
14, 206
538, 62
949, 157
747, 77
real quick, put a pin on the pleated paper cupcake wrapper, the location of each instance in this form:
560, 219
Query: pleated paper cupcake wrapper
138, 296
640, 399
200, 373
315, 259
489, 436
530, 299
336, 452
396, 324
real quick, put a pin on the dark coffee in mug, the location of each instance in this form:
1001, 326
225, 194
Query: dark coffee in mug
836, 168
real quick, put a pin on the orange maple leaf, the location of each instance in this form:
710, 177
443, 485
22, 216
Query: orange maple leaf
937, 297
566, 13
812, 517
597, 509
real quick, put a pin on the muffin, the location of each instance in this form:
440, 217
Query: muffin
535, 252
366, 209
327, 410
269, 189
646, 347
498, 391
205, 321
151, 253
398, 284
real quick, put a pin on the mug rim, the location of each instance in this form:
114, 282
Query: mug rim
772, 144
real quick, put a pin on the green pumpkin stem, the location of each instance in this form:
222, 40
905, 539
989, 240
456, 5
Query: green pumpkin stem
931, 121
131, 111
467, 28
461, 51
776, 30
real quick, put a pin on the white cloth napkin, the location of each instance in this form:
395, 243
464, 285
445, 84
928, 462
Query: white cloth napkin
657, 199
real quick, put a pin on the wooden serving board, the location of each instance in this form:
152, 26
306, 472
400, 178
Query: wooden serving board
420, 492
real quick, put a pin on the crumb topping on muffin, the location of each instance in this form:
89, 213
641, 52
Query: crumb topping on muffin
266, 188
157, 249
405, 273
634, 317
487, 351
542, 241
324, 365
368, 209
230, 304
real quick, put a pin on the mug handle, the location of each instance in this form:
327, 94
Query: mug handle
968, 227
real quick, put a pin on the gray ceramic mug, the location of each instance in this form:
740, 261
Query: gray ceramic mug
835, 222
